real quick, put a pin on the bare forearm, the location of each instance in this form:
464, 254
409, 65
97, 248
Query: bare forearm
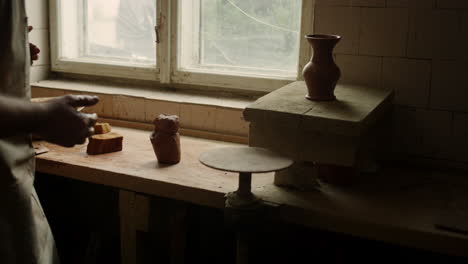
19, 116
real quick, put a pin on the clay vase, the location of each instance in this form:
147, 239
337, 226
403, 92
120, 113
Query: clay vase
321, 73
166, 139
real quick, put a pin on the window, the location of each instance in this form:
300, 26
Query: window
120, 31
239, 44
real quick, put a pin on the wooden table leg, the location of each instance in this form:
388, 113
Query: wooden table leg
135, 217
178, 238
242, 255
127, 227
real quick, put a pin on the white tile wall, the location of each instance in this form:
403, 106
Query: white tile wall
365, 70
452, 4
460, 132
40, 37
407, 130
37, 11
449, 89
464, 34
422, 132
411, 3
343, 21
436, 134
434, 34
418, 49
39, 73
383, 31
409, 78
366, 3
369, 3
333, 2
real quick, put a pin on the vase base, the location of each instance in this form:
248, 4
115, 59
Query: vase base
321, 98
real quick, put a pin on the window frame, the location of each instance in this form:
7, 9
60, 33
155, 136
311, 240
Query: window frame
167, 70
90, 66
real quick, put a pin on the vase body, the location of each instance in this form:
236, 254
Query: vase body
166, 139
321, 73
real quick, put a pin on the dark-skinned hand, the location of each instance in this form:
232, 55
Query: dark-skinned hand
33, 49
62, 124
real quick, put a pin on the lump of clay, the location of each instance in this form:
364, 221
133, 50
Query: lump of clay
166, 139
102, 128
104, 143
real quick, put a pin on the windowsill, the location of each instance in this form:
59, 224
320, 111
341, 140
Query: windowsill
175, 96
215, 117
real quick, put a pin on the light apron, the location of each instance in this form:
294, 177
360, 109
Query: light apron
25, 235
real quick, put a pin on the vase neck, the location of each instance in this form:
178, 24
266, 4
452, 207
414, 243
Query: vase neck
322, 56
323, 49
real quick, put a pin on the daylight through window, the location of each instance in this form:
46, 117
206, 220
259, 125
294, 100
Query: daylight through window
179, 40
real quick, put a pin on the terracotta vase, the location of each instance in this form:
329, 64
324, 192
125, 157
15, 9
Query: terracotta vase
321, 73
166, 139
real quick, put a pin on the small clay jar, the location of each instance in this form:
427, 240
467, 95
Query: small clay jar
166, 139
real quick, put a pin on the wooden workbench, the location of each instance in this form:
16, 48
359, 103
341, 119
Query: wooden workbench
398, 206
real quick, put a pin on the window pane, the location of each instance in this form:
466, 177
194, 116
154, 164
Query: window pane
115, 31
240, 36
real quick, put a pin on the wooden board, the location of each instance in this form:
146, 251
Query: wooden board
399, 206
135, 168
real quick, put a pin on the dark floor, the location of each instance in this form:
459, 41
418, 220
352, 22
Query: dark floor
84, 219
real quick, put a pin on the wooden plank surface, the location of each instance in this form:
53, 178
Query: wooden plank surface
135, 168
399, 206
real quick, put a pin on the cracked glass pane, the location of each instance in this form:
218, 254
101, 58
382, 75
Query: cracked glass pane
240, 36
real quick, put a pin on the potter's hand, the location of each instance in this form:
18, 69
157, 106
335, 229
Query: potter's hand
62, 124
33, 49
